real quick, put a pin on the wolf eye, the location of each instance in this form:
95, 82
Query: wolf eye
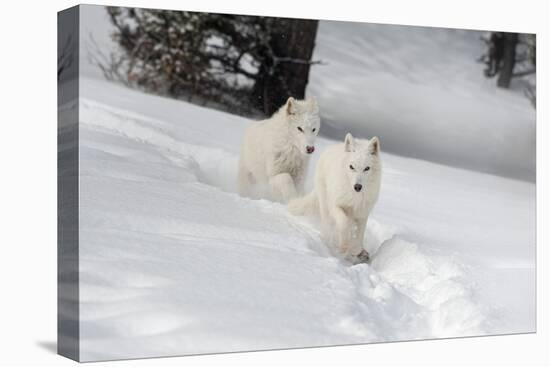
313, 130
366, 168
300, 129
351, 167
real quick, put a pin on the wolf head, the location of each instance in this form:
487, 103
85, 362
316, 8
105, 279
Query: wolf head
362, 160
303, 122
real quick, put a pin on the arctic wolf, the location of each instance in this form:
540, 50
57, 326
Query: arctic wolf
275, 152
347, 183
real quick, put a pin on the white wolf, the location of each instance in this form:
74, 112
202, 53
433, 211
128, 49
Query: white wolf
275, 152
347, 183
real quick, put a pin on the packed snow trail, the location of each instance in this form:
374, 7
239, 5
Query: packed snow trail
247, 270
173, 261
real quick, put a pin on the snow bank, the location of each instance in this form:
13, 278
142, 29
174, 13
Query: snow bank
421, 90
172, 261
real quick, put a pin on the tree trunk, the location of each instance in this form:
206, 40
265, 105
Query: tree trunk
292, 42
508, 60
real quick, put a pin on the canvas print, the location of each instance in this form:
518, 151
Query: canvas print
232, 183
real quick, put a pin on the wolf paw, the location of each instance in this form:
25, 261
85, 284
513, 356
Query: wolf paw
362, 257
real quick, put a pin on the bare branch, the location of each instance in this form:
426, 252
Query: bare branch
298, 61
524, 73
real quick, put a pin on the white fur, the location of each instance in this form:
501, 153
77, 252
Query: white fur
344, 211
274, 151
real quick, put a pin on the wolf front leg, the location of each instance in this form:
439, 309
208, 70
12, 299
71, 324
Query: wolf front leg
301, 179
282, 187
358, 251
343, 228
299, 184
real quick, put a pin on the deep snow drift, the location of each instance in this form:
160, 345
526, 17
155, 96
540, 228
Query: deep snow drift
172, 261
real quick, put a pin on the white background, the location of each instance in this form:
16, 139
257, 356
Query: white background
28, 191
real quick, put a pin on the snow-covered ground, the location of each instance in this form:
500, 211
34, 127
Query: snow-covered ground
173, 261
420, 89
423, 92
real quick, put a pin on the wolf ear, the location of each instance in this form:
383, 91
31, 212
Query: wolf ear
290, 106
374, 146
349, 143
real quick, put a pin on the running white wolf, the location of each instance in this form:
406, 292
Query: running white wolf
347, 183
275, 152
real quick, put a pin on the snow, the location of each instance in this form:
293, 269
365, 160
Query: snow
380, 79
423, 92
173, 261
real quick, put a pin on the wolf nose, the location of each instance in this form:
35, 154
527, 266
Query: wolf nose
357, 187
310, 150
